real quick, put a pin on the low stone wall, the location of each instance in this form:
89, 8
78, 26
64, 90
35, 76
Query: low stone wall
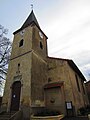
89, 116
57, 117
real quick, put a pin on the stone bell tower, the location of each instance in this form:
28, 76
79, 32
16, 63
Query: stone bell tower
27, 71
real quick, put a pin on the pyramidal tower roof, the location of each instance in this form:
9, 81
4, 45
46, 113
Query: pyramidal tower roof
31, 18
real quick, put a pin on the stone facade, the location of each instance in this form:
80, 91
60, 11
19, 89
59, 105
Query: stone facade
44, 81
87, 84
60, 70
39, 66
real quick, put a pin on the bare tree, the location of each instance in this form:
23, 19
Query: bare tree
5, 50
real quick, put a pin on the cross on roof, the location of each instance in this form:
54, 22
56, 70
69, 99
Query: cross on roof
31, 6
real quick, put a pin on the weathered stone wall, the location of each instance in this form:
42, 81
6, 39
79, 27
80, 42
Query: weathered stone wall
20, 56
88, 89
59, 70
56, 73
39, 68
27, 43
24, 76
55, 70
38, 79
54, 99
80, 97
36, 43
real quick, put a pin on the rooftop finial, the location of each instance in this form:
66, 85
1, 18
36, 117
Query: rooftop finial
31, 6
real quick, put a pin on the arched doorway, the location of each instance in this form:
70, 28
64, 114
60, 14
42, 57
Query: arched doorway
15, 96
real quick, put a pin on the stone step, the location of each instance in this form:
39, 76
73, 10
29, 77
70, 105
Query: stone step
6, 115
2, 118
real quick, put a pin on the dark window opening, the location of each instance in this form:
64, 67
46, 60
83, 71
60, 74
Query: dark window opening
41, 45
18, 64
83, 87
18, 69
77, 83
49, 80
21, 43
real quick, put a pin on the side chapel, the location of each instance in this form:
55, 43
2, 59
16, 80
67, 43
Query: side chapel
35, 81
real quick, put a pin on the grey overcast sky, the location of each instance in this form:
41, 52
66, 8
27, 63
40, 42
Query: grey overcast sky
65, 22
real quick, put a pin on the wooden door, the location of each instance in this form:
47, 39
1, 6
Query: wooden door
15, 97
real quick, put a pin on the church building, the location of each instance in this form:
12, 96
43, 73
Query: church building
36, 81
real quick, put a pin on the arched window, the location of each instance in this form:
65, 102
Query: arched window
21, 43
41, 45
